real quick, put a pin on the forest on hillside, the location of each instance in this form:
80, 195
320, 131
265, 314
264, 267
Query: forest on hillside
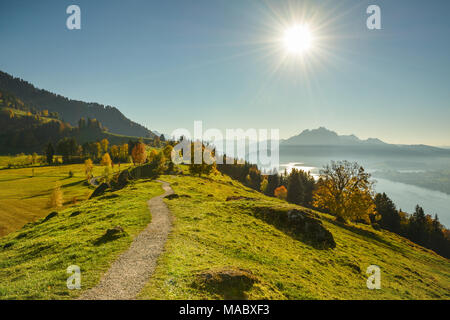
71, 110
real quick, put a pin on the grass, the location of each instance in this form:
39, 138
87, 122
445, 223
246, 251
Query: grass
211, 233
24, 196
33, 260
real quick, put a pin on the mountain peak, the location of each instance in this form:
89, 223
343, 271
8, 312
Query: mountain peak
324, 136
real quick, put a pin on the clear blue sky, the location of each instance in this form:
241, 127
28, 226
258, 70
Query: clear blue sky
167, 63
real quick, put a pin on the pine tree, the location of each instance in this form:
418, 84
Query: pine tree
295, 189
273, 182
49, 153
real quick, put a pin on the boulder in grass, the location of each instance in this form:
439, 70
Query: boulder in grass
101, 189
123, 179
303, 225
227, 282
311, 228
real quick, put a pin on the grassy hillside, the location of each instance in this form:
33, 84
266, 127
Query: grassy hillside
215, 239
71, 110
211, 235
33, 260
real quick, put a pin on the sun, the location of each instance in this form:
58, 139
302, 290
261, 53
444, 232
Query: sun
298, 39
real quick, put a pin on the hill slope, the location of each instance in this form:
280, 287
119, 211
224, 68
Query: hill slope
212, 234
72, 110
213, 237
26, 129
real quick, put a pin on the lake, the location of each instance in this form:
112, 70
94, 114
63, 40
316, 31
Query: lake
405, 196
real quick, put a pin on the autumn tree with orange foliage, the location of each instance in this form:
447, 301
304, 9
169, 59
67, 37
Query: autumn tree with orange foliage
281, 193
345, 190
139, 154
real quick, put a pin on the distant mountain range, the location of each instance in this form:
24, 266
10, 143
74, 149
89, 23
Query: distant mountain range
324, 137
71, 110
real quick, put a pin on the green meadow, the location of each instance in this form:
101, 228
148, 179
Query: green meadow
216, 229
212, 234
34, 260
25, 192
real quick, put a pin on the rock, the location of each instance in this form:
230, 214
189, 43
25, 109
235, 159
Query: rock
300, 224
311, 228
228, 282
99, 190
123, 179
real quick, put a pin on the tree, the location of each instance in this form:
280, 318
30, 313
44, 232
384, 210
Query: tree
255, 178
104, 144
203, 167
158, 163
97, 150
264, 184
115, 153
308, 184
138, 153
157, 142
152, 155
106, 177
81, 124
56, 197
295, 190
344, 189
273, 182
417, 225
88, 167
167, 151
106, 160
67, 147
123, 152
281, 192
389, 216
34, 158
49, 153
